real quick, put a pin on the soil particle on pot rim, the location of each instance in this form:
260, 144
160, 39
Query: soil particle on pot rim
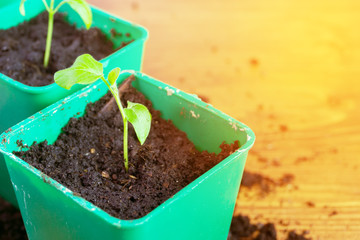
87, 158
22, 48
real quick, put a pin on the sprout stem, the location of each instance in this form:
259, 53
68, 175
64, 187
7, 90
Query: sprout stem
115, 92
49, 34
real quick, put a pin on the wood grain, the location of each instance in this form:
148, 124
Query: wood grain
288, 69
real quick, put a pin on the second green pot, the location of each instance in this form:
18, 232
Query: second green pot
19, 101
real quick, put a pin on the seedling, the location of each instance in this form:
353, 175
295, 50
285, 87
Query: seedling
87, 70
80, 6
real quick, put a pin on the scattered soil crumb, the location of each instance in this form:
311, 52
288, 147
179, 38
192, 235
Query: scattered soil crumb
264, 184
242, 229
272, 116
181, 79
254, 62
275, 163
204, 98
114, 33
292, 235
285, 179
283, 128
135, 6
301, 159
310, 204
333, 213
251, 180
262, 159
334, 150
284, 223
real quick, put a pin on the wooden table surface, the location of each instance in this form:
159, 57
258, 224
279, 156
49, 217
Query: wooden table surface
288, 69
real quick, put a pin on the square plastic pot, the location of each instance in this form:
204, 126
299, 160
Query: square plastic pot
19, 101
201, 210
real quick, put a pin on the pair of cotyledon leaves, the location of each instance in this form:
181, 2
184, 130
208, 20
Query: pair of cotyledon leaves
80, 6
87, 70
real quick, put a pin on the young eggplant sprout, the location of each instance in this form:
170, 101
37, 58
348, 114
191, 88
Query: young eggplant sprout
87, 70
79, 6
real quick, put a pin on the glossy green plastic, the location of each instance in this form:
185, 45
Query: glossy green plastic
202, 210
19, 101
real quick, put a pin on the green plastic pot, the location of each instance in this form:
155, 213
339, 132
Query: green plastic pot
201, 210
19, 101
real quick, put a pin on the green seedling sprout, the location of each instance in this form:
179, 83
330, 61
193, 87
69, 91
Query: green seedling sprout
87, 70
80, 6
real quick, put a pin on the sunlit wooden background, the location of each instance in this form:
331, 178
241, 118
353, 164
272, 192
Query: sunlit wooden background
288, 69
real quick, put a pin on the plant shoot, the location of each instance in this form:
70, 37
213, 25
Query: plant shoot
87, 70
79, 6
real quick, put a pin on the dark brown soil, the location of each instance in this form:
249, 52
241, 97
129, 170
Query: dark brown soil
292, 235
242, 229
87, 158
22, 48
11, 224
264, 184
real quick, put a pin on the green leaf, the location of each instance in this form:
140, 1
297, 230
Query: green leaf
85, 70
139, 116
22, 8
113, 75
83, 9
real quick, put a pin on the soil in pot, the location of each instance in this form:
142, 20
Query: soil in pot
11, 223
22, 48
88, 159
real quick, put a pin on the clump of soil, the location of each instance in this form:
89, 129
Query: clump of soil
264, 184
204, 98
11, 223
88, 159
292, 235
22, 48
242, 229
310, 204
